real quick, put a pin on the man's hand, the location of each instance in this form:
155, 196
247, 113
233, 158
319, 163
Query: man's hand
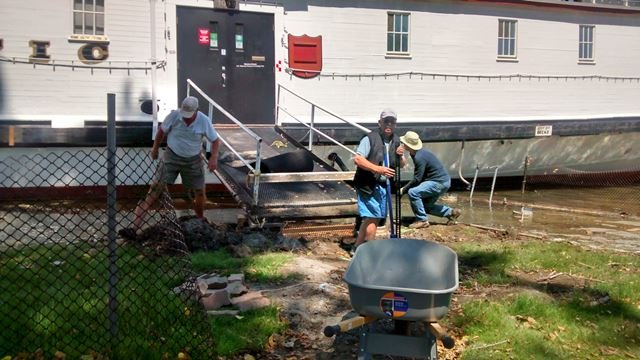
212, 164
402, 191
386, 171
400, 150
154, 153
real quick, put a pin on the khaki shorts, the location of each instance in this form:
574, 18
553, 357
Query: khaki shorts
190, 170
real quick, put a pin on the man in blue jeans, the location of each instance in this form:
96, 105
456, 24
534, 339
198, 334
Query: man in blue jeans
430, 181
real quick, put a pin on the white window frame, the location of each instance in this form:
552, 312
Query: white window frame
505, 37
398, 32
586, 42
91, 14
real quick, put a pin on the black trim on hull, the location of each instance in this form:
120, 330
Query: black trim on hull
138, 134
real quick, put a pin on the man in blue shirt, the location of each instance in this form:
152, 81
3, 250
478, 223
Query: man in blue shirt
377, 156
430, 181
185, 130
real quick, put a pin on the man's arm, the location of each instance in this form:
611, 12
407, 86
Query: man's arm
156, 143
213, 159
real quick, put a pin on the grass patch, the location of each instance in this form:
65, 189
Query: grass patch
595, 312
263, 268
56, 298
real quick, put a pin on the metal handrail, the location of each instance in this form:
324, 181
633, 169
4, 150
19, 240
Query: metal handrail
256, 170
318, 131
313, 106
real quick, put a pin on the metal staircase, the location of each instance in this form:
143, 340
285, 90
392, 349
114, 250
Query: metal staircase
273, 176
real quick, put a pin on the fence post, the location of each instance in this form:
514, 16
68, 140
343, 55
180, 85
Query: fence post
111, 214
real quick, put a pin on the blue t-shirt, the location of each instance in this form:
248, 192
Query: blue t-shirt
186, 141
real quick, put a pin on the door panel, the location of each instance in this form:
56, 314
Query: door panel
235, 67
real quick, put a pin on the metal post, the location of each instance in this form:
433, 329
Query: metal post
313, 114
473, 185
524, 175
111, 214
208, 146
152, 34
278, 106
493, 185
257, 173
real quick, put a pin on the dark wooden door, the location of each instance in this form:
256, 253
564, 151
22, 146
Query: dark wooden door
230, 56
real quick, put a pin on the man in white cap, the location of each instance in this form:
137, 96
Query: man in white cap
185, 130
378, 154
430, 181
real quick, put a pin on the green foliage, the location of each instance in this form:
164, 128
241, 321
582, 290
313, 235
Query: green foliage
262, 268
595, 311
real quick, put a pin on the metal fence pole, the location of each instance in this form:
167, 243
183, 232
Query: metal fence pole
111, 213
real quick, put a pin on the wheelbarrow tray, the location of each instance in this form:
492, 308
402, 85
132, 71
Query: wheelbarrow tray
406, 279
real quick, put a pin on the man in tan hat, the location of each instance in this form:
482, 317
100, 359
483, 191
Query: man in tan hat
430, 181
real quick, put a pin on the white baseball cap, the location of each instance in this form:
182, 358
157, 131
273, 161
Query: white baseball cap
189, 106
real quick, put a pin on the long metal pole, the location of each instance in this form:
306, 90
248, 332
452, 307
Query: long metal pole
154, 100
111, 214
493, 186
473, 185
313, 118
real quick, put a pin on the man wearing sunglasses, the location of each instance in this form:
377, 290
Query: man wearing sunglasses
378, 154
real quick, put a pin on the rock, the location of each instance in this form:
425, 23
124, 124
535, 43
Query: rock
250, 301
287, 244
236, 277
223, 312
215, 299
214, 282
199, 235
236, 289
256, 240
240, 250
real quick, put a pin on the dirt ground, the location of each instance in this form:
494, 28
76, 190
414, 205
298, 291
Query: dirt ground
321, 298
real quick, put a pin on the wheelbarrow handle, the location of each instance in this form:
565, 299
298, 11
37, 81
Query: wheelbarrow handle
441, 334
347, 325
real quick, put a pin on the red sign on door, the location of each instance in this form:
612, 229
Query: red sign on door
203, 36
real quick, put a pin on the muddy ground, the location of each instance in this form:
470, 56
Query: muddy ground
321, 298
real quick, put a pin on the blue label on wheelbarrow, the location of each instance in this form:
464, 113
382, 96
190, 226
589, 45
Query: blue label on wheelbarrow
394, 304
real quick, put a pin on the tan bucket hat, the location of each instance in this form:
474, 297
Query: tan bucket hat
411, 140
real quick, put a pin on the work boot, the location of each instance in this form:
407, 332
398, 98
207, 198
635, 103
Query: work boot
419, 224
453, 217
128, 234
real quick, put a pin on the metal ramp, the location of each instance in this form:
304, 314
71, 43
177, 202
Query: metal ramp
318, 194
246, 169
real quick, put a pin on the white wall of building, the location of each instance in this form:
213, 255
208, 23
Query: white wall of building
447, 37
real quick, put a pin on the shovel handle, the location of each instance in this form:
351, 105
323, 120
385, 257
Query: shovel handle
441, 334
347, 325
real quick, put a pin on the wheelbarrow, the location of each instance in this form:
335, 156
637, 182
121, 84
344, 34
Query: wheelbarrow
405, 280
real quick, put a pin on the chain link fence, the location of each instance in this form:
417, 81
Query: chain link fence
69, 286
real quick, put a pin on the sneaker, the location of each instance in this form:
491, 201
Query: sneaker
419, 224
453, 218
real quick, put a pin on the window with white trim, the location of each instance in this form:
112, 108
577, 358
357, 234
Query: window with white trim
507, 38
88, 17
585, 45
398, 33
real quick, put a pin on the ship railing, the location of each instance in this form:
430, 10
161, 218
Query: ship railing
254, 170
311, 124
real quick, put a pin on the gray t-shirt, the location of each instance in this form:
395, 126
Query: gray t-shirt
186, 141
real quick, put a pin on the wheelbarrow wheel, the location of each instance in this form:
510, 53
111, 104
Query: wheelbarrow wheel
401, 327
